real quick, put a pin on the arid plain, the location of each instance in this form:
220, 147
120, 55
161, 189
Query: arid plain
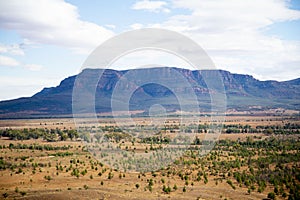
256, 157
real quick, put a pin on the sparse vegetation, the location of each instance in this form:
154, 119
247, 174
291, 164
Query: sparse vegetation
263, 162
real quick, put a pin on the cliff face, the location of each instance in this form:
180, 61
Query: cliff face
242, 91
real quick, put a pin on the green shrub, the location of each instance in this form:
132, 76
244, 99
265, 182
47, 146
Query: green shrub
23, 193
271, 195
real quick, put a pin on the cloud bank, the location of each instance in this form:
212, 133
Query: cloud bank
233, 32
53, 22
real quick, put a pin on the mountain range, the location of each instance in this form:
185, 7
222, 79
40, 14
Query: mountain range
109, 88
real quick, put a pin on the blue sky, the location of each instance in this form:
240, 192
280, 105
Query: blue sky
43, 42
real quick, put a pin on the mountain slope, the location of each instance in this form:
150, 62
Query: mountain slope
242, 91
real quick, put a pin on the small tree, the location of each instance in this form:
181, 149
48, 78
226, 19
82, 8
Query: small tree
271, 195
23, 193
175, 187
166, 189
98, 137
110, 175
5, 195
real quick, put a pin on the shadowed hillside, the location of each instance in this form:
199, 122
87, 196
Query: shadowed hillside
242, 91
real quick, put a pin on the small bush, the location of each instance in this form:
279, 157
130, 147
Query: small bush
5, 195
23, 193
271, 195
166, 189
47, 177
175, 187
110, 175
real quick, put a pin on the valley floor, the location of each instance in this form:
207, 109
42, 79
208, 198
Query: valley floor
241, 166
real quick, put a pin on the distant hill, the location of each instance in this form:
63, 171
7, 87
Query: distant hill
243, 92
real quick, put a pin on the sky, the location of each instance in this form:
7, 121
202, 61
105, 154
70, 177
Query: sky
42, 42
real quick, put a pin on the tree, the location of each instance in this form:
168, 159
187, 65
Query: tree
72, 134
97, 136
175, 187
63, 137
271, 195
166, 189
5, 195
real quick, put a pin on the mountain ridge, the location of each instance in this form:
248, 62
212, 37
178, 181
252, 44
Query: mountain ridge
242, 91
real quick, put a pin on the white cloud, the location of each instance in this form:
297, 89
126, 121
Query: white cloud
33, 67
8, 61
8, 52
14, 49
235, 14
51, 22
152, 6
136, 26
110, 26
232, 32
